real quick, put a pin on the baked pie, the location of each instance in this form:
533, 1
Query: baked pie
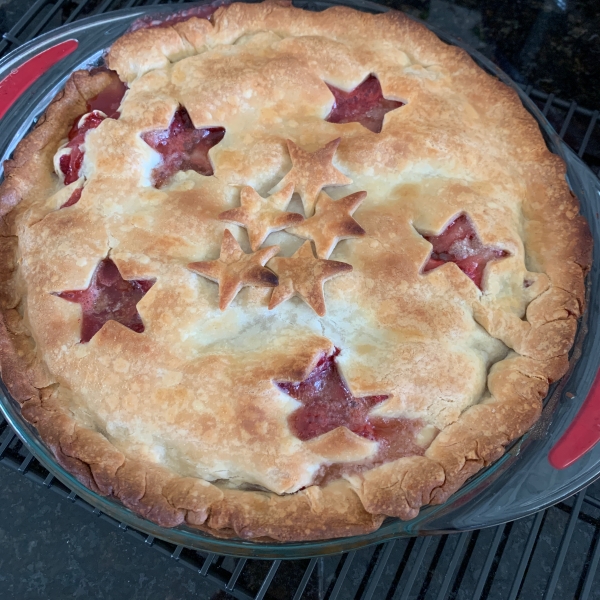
279, 274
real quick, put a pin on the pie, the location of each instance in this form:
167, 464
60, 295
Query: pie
281, 274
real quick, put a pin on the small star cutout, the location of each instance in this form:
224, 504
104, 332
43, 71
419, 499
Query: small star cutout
304, 275
460, 244
364, 104
108, 298
182, 147
311, 172
235, 269
331, 222
261, 216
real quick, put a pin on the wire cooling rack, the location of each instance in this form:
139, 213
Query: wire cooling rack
553, 554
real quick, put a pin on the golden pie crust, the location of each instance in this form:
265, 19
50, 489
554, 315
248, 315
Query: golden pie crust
183, 422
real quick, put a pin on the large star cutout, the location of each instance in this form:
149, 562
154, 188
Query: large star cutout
331, 222
261, 216
311, 172
327, 403
235, 269
182, 147
364, 104
109, 298
460, 244
304, 275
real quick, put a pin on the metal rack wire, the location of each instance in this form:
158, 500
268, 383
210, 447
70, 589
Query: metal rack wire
552, 555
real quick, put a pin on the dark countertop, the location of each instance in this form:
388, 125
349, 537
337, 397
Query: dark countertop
553, 45
53, 549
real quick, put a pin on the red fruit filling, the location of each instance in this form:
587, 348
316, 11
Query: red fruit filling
182, 147
460, 244
74, 198
107, 101
109, 298
70, 164
365, 104
327, 403
110, 98
201, 12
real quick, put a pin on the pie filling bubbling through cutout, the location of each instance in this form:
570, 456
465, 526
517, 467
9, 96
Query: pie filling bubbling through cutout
327, 403
110, 98
109, 298
70, 164
73, 198
182, 147
364, 104
460, 244
103, 106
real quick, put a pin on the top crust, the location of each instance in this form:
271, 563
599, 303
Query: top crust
160, 419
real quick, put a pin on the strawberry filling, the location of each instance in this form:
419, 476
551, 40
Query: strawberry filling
104, 105
364, 104
327, 403
73, 198
110, 98
182, 147
70, 164
460, 244
109, 298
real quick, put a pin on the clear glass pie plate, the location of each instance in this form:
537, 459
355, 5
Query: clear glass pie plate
520, 483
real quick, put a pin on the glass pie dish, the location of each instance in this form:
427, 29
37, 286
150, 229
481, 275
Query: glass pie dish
521, 482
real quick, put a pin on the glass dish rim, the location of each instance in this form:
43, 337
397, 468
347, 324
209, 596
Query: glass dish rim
194, 538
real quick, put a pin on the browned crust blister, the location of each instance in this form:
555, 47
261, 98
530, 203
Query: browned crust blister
557, 243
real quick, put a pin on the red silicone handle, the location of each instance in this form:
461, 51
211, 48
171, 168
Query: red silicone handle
583, 433
19, 79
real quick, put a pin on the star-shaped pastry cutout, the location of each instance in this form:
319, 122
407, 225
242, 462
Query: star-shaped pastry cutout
364, 104
182, 147
331, 222
261, 216
109, 297
235, 269
304, 275
460, 244
327, 403
311, 172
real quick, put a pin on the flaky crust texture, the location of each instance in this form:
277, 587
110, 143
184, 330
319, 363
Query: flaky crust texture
473, 365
